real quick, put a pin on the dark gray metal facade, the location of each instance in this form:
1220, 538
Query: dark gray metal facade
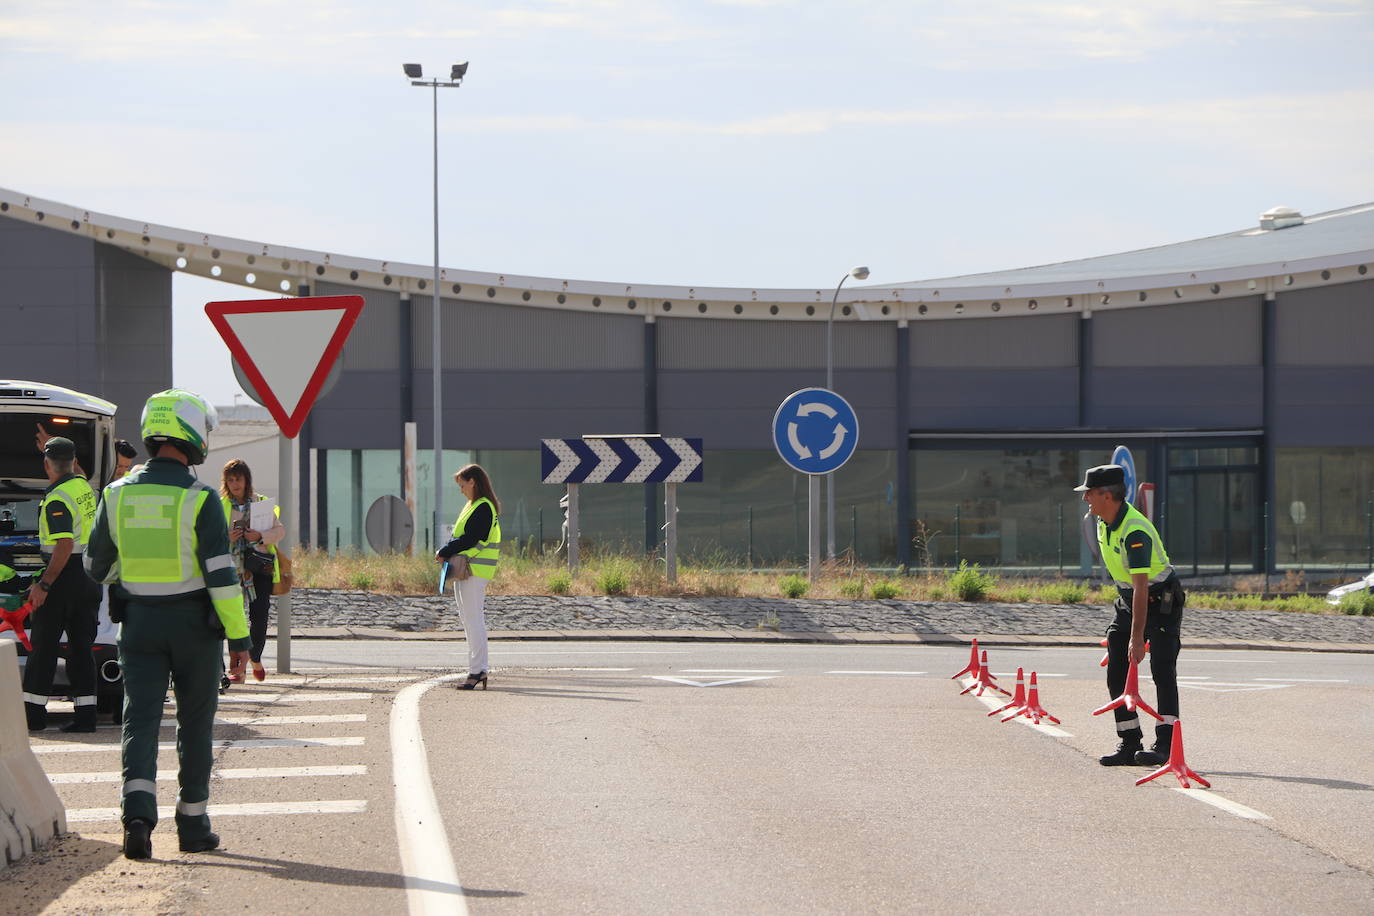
84, 315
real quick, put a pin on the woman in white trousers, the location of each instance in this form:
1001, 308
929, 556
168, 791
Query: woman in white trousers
472, 555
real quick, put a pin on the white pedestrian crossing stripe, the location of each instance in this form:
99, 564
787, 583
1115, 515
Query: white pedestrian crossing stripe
280, 720
219, 745
339, 806
239, 773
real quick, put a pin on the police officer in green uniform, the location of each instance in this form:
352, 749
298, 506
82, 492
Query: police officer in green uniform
160, 535
1149, 609
63, 596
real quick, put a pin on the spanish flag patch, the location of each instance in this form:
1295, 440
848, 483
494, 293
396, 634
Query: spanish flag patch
1141, 544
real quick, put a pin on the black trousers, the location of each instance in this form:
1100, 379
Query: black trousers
258, 610
1162, 630
72, 606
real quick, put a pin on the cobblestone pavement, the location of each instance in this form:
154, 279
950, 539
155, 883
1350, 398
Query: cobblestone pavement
342, 613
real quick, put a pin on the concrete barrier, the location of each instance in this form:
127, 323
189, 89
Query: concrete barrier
31, 814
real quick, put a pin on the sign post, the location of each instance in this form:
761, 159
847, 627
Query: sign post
649, 458
286, 348
815, 432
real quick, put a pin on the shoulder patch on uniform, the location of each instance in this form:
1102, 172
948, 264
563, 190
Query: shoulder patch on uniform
1138, 544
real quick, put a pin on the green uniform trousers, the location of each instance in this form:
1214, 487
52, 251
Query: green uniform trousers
171, 637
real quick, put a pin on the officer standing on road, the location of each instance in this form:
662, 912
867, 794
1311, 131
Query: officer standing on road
63, 596
1149, 608
161, 535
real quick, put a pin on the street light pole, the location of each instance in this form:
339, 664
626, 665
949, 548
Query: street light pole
858, 273
456, 74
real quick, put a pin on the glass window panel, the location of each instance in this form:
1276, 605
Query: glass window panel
1244, 455
1321, 519
1182, 457
1208, 457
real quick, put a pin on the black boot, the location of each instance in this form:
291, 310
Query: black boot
1124, 754
1158, 755
37, 716
204, 844
83, 722
138, 840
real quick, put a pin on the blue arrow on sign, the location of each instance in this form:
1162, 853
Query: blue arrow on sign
815, 430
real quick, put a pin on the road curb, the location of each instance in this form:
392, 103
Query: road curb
807, 638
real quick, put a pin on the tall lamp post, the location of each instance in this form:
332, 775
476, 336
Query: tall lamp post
456, 74
858, 273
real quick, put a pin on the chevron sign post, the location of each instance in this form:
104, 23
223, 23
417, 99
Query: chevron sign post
622, 459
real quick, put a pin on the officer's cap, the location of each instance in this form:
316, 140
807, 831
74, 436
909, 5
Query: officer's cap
59, 448
1104, 475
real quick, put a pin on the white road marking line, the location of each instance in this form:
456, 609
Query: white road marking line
1234, 661
279, 720
1038, 674
1233, 687
341, 806
239, 773
1197, 677
689, 683
876, 672
286, 699
353, 681
360, 669
1306, 680
219, 745
427, 865
996, 700
507, 652
586, 669
730, 670
1225, 804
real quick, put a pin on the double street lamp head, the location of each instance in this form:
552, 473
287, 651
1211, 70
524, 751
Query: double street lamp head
455, 73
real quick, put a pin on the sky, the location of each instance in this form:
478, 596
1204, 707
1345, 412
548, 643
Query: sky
752, 143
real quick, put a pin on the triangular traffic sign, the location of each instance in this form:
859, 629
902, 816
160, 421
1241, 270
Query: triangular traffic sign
286, 347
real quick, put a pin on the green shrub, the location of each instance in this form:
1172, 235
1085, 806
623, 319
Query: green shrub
1358, 604
886, 589
937, 593
614, 578
1065, 593
560, 583
793, 586
361, 579
1020, 594
852, 588
970, 583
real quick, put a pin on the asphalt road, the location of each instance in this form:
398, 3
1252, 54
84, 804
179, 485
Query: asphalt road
666, 777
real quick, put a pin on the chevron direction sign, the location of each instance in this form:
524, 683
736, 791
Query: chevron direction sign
621, 459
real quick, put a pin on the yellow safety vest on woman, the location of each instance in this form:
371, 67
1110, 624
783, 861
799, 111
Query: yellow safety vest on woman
484, 556
228, 505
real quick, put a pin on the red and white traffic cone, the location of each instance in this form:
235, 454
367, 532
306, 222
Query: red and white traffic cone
1018, 699
1103, 663
1176, 765
1130, 697
972, 666
984, 679
1033, 710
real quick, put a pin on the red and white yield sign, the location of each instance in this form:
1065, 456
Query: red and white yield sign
286, 347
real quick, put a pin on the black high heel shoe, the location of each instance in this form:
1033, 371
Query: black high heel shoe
473, 680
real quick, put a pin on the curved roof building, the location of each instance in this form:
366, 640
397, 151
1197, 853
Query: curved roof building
1236, 367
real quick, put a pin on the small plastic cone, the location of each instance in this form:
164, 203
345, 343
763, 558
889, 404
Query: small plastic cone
1034, 711
1103, 663
1018, 699
1177, 765
1130, 697
972, 667
984, 679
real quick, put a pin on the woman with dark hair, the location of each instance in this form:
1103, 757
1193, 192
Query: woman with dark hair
473, 554
254, 552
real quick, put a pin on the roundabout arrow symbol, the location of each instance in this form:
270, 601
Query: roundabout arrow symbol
801, 450
834, 446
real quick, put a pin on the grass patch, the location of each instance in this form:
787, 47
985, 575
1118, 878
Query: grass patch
886, 590
793, 586
559, 583
614, 577
852, 588
970, 583
1359, 604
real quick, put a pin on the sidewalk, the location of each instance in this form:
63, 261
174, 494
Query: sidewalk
362, 615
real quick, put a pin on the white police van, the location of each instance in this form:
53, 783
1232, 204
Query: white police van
30, 413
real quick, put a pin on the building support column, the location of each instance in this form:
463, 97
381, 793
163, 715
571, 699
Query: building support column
1085, 368
650, 426
1269, 369
903, 444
